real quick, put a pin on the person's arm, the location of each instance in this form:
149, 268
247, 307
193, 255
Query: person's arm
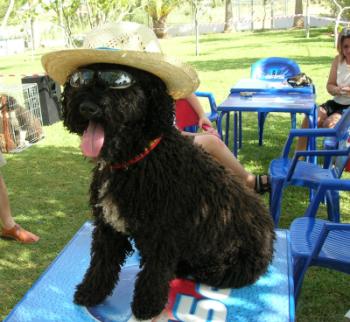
197, 107
203, 119
332, 87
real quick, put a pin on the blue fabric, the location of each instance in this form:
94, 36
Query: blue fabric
274, 69
107, 48
50, 298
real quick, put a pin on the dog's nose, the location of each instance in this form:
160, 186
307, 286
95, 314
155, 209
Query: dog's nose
90, 110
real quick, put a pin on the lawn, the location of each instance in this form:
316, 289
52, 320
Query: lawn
48, 183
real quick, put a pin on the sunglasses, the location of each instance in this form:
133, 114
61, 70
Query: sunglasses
114, 79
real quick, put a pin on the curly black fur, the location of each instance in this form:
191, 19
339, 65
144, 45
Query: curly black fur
187, 214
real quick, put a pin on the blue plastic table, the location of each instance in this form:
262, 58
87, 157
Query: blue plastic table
270, 299
250, 95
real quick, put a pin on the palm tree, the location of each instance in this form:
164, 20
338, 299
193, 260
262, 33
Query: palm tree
159, 11
298, 19
228, 16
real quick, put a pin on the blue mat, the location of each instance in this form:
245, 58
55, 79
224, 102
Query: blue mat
270, 299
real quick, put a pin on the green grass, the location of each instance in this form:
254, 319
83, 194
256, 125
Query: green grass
48, 183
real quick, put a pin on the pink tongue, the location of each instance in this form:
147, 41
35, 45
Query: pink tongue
92, 140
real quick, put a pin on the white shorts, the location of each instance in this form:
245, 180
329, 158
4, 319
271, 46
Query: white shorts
2, 160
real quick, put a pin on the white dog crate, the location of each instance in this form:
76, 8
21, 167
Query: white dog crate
20, 117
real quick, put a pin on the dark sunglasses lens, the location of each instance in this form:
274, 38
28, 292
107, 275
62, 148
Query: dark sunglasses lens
81, 78
116, 79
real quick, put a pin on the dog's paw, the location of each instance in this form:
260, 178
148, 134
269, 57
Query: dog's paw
145, 310
87, 297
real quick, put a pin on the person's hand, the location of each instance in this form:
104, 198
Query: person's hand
210, 130
205, 124
204, 121
345, 90
331, 121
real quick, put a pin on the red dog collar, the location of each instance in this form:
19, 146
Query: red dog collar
139, 157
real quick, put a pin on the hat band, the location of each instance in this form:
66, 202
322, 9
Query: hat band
107, 48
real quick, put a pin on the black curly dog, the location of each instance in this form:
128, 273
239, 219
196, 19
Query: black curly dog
187, 214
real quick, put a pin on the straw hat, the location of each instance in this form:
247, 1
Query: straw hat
124, 43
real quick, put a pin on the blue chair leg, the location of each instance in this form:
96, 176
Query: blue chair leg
227, 128
261, 122
236, 134
240, 130
299, 269
333, 211
219, 125
293, 119
276, 199
192, 128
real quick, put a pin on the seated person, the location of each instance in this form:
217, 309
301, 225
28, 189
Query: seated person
210, 142
338, 85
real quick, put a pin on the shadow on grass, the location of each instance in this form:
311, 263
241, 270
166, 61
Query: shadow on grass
48, 190
331, 287
292, 33
245, 63
48, 178
223, 64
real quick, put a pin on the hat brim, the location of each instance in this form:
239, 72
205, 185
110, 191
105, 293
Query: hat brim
181, 79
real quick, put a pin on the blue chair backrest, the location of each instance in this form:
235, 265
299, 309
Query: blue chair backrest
274, 69
343, 137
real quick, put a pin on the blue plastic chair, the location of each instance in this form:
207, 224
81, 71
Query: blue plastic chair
213, 114
285, 171
317, 242
274, 69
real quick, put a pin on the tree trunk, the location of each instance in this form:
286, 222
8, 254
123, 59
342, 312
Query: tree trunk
228, 16
159, 26
196, 26
252, 15
264, 15
298, 20
32, 35
89, 14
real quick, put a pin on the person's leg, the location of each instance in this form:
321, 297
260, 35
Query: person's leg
9, 227
214, 146
331, 120
5, 212
302, 141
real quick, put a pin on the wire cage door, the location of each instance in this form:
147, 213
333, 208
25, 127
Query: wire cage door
21, 122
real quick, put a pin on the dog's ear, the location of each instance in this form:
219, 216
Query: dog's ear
160, 108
